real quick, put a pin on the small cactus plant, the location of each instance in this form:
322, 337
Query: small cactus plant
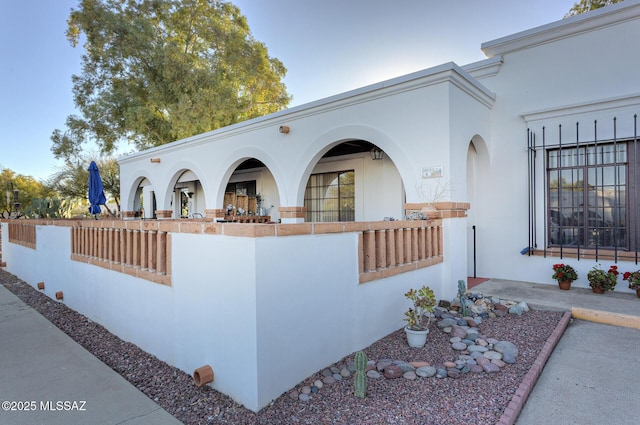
360, 379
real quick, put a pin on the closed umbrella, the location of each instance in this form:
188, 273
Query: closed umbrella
96, 190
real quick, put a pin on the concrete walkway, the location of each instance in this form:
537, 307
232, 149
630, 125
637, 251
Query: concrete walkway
47, 378
590, 377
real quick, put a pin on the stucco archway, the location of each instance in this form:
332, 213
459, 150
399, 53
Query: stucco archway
477, 186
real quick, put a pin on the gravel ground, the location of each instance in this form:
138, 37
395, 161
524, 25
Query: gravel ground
473, 398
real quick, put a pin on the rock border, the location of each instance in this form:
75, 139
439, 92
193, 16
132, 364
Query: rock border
449, 321
523, 391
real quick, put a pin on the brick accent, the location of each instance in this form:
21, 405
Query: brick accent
292, 212
587, 254
142, 248
164, 214
214, 213
128, 214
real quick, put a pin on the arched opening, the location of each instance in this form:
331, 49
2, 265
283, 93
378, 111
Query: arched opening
251, 193
477, 170
142, 199
187, 198
354, 180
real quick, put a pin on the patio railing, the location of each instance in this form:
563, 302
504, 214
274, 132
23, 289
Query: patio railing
139, 252
389, 248
22, 233
143, 248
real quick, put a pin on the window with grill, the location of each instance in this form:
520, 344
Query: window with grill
330, 197
587, 196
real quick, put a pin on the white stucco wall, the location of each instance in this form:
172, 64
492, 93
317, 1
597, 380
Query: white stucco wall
264, 313
587, 73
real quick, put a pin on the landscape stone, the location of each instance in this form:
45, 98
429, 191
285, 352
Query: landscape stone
459, 346
411, 375
445, 323
329, 380
508, 357
506, 346
373, 374
490, 368
478, 348
392, 372
426, 371
493, 355
406, 367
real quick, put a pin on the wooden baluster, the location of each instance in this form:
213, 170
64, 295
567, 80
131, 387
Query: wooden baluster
391, 247
381, 249
399, 238
369, 250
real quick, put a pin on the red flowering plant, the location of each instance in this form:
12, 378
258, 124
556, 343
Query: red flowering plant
564, 272
633, 278
605, 280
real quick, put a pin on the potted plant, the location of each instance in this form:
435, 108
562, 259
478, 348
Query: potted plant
564, 274
418, 316
634, 280
601, 281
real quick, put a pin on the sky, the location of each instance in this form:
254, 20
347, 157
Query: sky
328, 47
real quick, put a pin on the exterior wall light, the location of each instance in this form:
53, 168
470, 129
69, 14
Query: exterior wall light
284, 129
376, 154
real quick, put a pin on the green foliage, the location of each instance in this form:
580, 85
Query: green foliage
28, 188
360, 360
583, 6
424, 301
360, 378
156, 71
71, 182
462, 289
598, 278
47, 208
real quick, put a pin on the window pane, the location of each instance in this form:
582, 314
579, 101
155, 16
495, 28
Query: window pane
330, 197
592, 213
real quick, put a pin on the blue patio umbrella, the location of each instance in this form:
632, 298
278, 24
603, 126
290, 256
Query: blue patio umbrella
96, 190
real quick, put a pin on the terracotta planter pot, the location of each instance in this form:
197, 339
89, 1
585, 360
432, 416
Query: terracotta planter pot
41, 285
597, 290
202, 375
59, 295
565, 285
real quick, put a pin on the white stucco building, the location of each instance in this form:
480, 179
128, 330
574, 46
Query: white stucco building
536, 147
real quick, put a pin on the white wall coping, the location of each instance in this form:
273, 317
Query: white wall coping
574, 25
448, 72
592, 106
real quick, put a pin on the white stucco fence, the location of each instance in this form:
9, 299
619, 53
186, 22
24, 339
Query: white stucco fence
265, 312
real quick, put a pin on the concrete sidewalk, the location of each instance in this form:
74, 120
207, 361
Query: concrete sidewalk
590, 377
47, 378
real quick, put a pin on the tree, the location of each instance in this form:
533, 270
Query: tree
27, 189
586, 5
156, 71
72, 180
